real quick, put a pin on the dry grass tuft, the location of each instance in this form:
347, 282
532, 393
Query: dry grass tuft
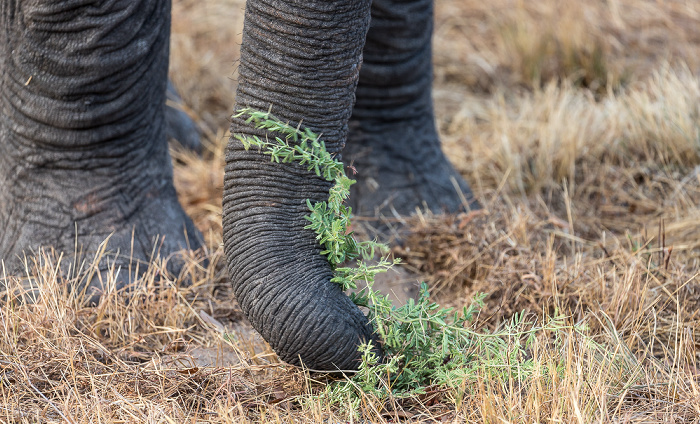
199, 181
204, 45
545, 137
529, 262
596, 44
639, 297
140, 355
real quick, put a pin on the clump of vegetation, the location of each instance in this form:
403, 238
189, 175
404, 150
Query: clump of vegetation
543, 55
425, 345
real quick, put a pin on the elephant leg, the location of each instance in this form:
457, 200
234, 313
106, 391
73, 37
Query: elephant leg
301, 58
393, 142
178, 124
83, 153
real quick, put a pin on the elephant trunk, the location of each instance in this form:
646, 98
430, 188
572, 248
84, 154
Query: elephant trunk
302, 59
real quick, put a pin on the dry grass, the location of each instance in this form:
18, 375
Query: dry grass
578, 125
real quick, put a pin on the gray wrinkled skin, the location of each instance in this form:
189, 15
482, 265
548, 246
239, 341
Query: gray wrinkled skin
270, 255
83, 145
179, 127
83, 151
393, 141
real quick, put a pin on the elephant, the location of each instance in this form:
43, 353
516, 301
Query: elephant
84, 156
179, 127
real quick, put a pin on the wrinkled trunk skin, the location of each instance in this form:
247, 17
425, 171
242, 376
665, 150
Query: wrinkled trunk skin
302, 57
83, 152
393, 142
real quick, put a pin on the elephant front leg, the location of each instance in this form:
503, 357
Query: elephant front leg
83, 153
393, 142
301, 59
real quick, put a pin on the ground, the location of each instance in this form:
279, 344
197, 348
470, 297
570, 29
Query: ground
578, 126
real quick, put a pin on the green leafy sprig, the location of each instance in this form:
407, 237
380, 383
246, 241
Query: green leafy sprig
424, 345
330, 220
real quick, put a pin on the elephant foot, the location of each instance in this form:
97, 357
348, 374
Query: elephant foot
178, 124
83, 150
96, 236
399, 167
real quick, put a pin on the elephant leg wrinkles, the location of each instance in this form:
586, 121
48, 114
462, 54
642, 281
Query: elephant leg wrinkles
393, 142
83, 153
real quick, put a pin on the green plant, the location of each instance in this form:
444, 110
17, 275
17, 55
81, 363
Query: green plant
424, 345
330, 220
